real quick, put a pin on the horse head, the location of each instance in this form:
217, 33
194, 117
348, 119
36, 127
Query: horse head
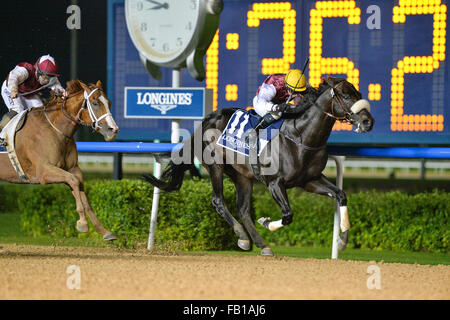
344, 103
95, 111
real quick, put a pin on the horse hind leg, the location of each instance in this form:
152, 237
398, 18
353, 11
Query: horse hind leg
219, 205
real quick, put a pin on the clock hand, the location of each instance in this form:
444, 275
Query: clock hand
154, 2
159, 5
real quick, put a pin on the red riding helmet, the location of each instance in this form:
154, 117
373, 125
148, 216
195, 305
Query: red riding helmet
46, 65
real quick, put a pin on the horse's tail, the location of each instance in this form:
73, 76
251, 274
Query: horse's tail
173, 176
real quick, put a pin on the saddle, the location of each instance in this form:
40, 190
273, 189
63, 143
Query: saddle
238, 128
8, 135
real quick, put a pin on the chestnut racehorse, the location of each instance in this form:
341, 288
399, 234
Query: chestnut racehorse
46, 149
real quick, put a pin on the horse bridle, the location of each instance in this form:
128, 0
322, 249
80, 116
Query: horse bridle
348, 114
86, 105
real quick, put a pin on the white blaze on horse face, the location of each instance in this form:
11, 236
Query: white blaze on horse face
109, 119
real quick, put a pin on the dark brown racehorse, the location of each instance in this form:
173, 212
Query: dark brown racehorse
300, 158
46, 149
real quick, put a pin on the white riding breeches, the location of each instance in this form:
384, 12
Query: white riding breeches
20, 103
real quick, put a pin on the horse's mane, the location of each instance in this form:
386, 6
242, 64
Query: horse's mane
73, 86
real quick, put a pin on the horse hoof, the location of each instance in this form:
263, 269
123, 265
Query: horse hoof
82, 227
109, 237
267, 251
244, 244
264, 222
342, 240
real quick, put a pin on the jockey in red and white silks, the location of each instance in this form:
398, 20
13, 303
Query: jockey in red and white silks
19, 90
270, 94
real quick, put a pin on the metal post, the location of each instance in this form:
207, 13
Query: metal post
74, 62
174, 138
423, 168
337, 217
155, 204
117, 171
73, 50
176, 83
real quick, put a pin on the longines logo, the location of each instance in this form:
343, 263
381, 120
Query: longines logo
164, 101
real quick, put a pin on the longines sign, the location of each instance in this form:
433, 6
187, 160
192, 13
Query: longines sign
167, 103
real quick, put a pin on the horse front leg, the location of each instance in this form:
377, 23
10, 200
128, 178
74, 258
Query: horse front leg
278, 192
244, 189
86, 208
324, 187
218, 202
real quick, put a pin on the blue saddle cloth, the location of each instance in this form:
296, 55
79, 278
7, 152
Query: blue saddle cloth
238, 127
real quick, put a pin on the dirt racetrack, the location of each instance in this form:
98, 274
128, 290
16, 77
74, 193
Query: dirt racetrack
39, 272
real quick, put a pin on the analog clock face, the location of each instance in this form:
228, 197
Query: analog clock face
162, 29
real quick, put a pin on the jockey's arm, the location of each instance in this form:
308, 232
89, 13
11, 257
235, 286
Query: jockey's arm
263, 100
57, 87
16, 77
303, 103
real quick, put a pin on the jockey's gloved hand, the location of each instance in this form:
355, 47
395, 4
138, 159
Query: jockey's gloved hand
282, 107
14, 93
300, 108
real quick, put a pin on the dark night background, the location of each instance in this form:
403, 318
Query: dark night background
30, 29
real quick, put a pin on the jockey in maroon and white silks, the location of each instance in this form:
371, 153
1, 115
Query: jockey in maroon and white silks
270, 94
19, 90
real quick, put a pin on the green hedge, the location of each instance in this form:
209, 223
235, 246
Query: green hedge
186, 220
391, 220
9, 193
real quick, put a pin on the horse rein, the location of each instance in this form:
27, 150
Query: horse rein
334, 95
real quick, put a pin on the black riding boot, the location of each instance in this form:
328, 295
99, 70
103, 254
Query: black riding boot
263, 123
252, 140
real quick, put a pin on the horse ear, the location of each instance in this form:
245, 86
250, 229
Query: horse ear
99, 84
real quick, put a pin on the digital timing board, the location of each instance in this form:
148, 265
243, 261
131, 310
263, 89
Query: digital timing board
394, 52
